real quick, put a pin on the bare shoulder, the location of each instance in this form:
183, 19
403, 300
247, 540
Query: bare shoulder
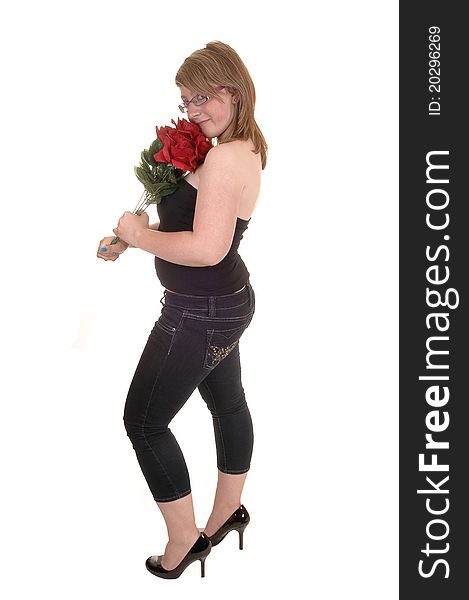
236, 157
232, 171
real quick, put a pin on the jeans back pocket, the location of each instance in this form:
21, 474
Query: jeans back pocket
220, 342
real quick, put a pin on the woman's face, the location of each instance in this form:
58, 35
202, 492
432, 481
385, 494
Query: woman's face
214, 116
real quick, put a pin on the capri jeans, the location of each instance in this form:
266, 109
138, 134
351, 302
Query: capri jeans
193, 344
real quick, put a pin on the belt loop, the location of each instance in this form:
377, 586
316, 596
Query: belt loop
212, 311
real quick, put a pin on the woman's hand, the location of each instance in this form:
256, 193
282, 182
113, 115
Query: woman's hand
107, 251
130, 226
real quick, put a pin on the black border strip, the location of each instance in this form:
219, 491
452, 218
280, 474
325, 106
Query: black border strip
434, 398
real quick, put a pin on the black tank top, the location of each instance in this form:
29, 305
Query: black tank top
176, 212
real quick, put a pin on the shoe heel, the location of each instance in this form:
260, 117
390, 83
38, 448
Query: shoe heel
241, 532
202, 567
238, 521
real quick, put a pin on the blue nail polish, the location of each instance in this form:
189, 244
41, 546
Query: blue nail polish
103, 249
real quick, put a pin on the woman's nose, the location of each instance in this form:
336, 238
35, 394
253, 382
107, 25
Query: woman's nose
192, 111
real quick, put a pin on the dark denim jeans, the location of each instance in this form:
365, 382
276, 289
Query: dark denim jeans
194, 344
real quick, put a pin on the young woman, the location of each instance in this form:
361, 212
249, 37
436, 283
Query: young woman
208, 303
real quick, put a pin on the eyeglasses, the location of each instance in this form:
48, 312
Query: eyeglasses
197, 100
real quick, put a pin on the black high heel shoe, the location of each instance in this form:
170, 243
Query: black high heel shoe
238, 521
199, 551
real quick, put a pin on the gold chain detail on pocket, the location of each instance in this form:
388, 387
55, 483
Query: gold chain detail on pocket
218, 353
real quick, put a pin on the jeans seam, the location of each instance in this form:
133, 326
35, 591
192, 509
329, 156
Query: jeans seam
181, 495
218, 319
153, 453
217, 421
231, 472
219, 308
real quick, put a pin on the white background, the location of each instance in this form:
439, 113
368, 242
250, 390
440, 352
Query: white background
84, 84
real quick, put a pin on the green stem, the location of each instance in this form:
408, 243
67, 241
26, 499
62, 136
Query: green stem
141, 206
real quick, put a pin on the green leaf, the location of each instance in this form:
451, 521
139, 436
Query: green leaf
158, 178
155, 146
143, 157
143, 176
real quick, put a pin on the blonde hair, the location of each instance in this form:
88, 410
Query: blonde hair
219, 65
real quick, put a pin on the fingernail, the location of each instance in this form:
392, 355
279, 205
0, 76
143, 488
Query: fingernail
104, 249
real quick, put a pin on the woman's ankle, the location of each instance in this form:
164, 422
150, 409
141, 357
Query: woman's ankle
183, 538
219, 516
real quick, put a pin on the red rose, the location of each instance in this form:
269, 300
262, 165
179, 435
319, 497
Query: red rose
184, 146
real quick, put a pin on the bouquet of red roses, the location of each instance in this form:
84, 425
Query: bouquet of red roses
176, 151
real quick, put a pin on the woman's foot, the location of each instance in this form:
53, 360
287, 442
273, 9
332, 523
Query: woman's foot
175, 551
237, 521
182, 530
218, 518
199, 551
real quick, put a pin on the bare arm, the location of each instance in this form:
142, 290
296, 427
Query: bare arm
180, 247
153, 227
218, 198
